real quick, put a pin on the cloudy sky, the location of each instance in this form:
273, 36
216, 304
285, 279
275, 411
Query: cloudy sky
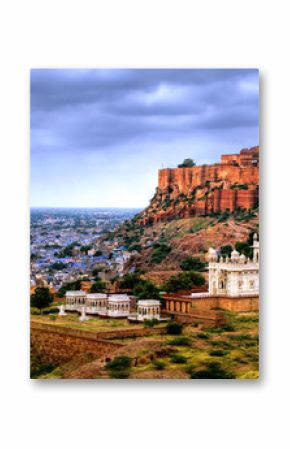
98, 137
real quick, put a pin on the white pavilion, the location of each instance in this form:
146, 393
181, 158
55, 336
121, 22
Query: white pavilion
75, 300
147, 309
96, 302
118, 306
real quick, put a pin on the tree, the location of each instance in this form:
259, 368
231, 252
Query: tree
41, 298
76, 285
146, 290
187, 163
119, 367
226, 250
184, 281
245, 248
192, 263
174, 328
98, 287
130, 280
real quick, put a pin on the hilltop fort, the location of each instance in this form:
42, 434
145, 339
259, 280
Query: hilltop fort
202, 190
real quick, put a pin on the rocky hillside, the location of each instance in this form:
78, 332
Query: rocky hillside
194, 208
163, 246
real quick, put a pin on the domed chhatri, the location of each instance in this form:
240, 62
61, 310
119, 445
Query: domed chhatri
148, 309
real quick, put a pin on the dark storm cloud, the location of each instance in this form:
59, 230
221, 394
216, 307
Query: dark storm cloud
91, 109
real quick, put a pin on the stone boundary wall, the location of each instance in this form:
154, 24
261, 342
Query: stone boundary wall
58, 344
128, 333
98, 336
208, 317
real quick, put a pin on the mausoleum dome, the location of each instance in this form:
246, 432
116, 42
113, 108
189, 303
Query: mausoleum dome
235, 255
212, 254
242, 258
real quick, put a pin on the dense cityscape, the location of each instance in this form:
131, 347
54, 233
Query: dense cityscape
67, 244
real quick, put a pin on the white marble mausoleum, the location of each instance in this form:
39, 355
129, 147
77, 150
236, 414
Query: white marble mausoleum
236, 275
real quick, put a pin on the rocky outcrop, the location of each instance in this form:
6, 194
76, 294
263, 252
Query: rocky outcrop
202, 190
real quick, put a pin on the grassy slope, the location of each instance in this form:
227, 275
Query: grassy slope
237, 352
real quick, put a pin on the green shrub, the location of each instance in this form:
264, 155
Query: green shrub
229, 327
50, 310
217, 353
202, 335
161, 250
119, 367
34, 311
213, 370
177, 358
221, 343
224, 216
180, 341
245, 338
174, 328
158, 364
40, 369
150, 323
248, 319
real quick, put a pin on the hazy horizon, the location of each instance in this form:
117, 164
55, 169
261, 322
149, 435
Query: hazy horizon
84, 208
99, 136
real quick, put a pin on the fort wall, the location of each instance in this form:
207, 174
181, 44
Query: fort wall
201, 190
